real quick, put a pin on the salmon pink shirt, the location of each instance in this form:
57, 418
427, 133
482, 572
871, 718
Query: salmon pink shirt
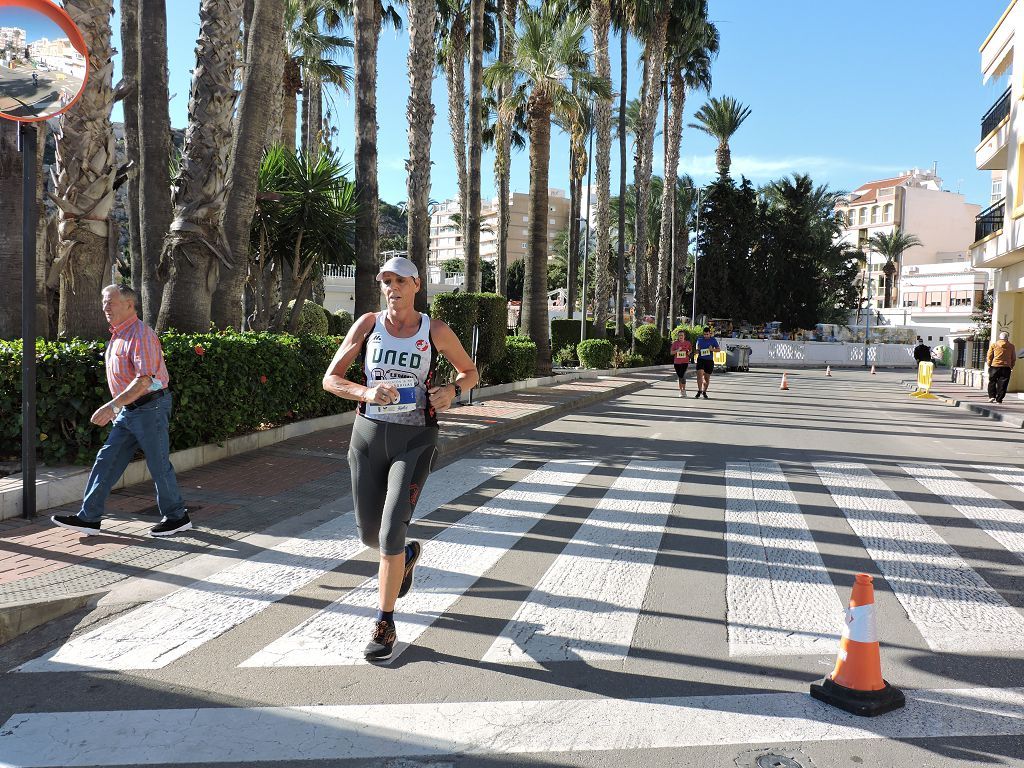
681, 350
134, 350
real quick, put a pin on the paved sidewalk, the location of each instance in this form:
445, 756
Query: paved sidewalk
47, 571
1009, 412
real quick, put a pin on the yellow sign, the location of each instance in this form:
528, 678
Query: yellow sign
925, 370
720, 358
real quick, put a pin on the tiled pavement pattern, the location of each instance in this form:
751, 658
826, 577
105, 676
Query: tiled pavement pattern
235, 497
1010, 411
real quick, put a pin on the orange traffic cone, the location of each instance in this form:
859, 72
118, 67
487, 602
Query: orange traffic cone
872, 369
785, 384
856, 683
828, 371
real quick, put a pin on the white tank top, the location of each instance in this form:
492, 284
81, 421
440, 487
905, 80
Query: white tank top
407, 363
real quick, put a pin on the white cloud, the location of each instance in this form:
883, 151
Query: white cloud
760, 168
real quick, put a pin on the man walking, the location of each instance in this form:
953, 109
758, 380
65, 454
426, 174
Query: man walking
922, 352
140, 409
1001, 358
707, 345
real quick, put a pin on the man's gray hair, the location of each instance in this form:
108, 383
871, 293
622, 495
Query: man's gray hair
1004, 335
126, 291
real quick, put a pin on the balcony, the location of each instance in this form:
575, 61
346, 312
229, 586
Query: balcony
990, 220
992, 153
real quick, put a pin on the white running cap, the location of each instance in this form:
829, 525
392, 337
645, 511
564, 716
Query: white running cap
400, 266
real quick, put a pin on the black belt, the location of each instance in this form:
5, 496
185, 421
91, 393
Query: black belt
146, 399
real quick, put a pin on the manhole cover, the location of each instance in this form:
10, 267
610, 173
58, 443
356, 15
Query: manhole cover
774, 757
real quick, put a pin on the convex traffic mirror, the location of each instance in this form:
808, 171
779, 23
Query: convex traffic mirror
43, 60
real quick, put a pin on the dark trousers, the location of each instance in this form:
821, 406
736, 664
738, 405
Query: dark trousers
998, 379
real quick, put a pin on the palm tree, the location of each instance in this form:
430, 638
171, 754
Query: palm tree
369, 15
84, 181
260, 78
129, 10
547, 54
600, 21
473, 170
621, 19
311, 33
892, 245
419, 113
196, 246
452, 42
504, 140
152, 98
693, 43
720, 118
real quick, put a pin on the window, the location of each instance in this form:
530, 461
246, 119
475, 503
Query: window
851, 217
997, 188
1018, 191
933, 299
524, 246
526, 218
874, 214
526, 233
910, 301
887, 213
551, 221
863, 215
960, 298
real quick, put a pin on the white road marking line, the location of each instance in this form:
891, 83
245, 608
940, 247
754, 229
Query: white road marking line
586, 605
451, 563
952, 607
779, 595
380, 731
994, 516
155, 634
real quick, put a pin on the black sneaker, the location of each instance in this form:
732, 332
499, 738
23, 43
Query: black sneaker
170, 527
382, 642
410, 565
75, 523
697, 395
705, 394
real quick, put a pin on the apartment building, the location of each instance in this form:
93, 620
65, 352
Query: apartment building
12, 42
999, 230
58, 55
915, 202
446, 237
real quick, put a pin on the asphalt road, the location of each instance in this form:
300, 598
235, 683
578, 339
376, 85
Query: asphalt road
650, 582
21, 97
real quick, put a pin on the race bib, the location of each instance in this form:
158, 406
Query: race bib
406, 398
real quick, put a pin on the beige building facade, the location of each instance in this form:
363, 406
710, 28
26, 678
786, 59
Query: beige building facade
999, 232
446, 238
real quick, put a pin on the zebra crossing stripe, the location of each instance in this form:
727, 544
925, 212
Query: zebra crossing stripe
952, 607
451, 562
994, 516
155, 634
244, 736
780, 599
586, 605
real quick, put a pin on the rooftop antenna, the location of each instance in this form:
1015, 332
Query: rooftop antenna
935, 167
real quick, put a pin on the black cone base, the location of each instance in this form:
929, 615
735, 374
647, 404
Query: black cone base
863, 703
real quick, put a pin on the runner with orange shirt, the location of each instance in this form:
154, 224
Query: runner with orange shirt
681, 350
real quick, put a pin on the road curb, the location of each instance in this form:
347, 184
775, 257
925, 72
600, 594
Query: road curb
18, 618
979, 409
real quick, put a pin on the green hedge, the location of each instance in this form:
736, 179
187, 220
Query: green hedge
488, 311
519, 362
312, 318
595, 353
649, 342
224, 384
492, 317
567, 332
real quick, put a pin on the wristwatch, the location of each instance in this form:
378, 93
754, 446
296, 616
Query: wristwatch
458, 389
116, 408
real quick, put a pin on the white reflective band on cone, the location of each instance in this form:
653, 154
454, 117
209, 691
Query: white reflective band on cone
860, 624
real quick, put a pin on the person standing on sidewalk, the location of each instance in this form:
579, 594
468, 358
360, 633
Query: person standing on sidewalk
140, 410
394, 437
681, 351
707, 345
922, 352
1001, 358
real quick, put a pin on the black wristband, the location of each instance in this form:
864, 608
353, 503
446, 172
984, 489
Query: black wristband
458, 389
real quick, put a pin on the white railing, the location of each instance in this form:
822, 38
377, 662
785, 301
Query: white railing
345, 271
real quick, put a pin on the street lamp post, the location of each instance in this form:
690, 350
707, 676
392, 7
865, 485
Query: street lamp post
867, 326
696, 255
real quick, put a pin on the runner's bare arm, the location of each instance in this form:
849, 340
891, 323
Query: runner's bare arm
448, 344
335, 381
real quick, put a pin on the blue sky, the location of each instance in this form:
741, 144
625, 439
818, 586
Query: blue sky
845, 93
35, 24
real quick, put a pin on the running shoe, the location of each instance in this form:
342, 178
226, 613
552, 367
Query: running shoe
410, 566
705, 394
170, 527
697, 395
382, 641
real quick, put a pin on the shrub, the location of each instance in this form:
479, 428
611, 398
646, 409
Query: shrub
565, 332
312, 318
488, 311
459, 310
648, 342
566, 356
492, 320
627, 360
224, 384
518, 363
595, 353
338, 323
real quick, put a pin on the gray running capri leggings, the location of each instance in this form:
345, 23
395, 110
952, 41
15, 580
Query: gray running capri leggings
390, 463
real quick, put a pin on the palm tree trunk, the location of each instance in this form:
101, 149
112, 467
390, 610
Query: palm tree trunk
476, 89
572, 253
600, 14
455, 76
307, 86
535, 284
277, 97
262, 74
366, 35
84, 185
673, 138
154, 175
196, 245
419, 113
651, 98
290, 94
503, 152
130, 104
11, 224
723, 159
620, 300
